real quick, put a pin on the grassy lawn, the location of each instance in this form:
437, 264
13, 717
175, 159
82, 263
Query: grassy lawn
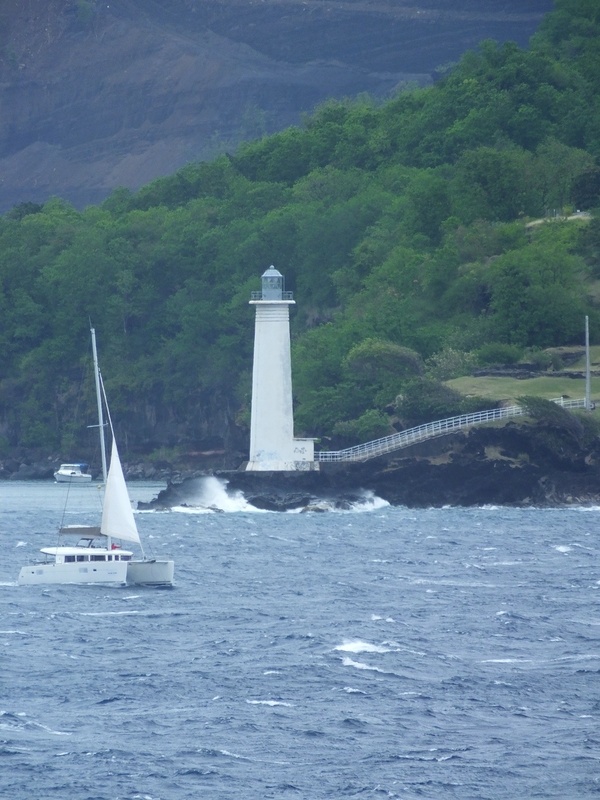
502, 388
580, 364
546, 385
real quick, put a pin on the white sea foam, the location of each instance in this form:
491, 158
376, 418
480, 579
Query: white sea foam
367, 502
563, 548
577, 657
212, 495
233, 755
107, 613
370, 502
358, 646
268, 703
52, 731
20, 720
348, 662
443, 582
192, 510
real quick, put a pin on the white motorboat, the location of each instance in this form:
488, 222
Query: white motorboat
98, 556
72, 473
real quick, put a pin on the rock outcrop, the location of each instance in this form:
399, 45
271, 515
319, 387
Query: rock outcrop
517, 464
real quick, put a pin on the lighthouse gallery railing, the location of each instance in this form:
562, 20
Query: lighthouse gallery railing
430, 430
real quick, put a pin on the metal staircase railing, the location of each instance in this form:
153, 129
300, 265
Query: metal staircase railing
430, 430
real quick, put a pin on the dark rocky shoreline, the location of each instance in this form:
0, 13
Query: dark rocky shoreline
513, 465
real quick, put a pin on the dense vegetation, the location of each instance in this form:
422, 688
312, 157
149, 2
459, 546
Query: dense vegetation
402, 229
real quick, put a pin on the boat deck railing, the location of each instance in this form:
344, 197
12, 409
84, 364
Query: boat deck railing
430, 430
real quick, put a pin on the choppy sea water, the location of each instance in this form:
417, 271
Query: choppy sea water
393, 653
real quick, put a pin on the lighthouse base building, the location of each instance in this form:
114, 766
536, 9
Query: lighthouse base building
273, 447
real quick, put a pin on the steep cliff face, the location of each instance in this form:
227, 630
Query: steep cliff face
98, 95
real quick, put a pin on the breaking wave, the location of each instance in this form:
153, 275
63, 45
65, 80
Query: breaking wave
210, 495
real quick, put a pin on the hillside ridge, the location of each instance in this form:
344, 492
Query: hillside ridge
94, 96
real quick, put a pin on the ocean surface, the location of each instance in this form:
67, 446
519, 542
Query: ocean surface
375, 653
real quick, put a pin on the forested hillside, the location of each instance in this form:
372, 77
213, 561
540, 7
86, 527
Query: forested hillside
403, 230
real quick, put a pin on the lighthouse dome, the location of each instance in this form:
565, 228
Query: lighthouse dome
272, 284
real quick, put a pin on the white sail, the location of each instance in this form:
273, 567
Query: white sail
118, 521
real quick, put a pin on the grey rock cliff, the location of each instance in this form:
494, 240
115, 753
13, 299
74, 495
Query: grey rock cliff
94, 95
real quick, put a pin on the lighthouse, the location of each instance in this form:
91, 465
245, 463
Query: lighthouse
272, 443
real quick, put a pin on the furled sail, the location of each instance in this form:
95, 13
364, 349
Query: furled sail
118, 521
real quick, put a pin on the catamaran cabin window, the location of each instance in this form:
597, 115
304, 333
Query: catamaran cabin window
69, 559
98, 558
82, 558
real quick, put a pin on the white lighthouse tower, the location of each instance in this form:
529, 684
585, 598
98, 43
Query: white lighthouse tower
272, 443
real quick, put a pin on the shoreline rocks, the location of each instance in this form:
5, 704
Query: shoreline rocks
513, 465
517, 464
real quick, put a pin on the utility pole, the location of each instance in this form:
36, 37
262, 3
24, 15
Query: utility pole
588, 401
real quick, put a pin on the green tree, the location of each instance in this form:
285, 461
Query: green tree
425, 399
494, 185
536, 296
558, 168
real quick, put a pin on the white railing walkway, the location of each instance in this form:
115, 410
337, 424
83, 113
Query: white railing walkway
441, 427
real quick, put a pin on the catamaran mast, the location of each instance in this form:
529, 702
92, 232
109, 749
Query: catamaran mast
99, 401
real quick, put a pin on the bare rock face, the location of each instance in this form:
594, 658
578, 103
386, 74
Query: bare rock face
516, 465
96, 95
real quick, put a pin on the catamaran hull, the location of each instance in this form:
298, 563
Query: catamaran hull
150, 572
111, 573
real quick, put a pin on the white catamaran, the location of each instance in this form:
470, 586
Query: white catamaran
97, 556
